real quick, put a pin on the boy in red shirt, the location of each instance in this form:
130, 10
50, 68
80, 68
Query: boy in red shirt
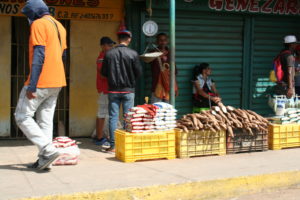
102, 86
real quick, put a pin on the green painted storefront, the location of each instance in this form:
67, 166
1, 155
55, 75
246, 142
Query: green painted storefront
239, 46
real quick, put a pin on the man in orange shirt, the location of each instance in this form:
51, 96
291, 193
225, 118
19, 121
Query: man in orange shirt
47, 44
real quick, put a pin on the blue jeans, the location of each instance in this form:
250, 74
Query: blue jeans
115, 101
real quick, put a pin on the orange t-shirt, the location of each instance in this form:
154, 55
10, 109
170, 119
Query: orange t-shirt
43, 32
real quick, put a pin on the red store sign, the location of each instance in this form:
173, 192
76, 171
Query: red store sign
281, 7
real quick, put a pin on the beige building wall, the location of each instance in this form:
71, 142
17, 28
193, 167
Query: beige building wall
84, 47
5, 46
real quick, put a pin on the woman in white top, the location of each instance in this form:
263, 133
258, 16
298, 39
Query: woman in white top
205, 91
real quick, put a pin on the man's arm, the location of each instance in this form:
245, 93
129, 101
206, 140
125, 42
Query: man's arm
104, 70
64, 56
38, 36
36, 69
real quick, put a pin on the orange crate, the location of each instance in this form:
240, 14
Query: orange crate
131, 147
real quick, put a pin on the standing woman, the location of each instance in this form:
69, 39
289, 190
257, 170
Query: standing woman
205, 93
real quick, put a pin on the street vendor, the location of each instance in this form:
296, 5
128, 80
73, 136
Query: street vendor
160, 69
205, 93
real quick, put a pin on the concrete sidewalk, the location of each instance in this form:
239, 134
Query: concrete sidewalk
99, 171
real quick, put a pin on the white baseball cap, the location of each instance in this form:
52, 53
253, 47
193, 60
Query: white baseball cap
290, 39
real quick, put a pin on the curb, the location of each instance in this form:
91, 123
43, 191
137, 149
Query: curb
205, 190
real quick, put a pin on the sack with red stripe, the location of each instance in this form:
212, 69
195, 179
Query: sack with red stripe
68, 149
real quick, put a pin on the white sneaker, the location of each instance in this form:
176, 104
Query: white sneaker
106, 145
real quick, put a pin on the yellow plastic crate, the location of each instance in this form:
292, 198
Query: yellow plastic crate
200, 143
284, 136
131, 147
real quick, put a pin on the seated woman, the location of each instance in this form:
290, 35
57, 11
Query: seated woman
205, 92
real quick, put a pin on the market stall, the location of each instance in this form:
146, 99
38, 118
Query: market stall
152, 132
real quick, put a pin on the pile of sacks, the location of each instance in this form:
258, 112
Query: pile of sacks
68, 149
165, 117
291, 115
148, 118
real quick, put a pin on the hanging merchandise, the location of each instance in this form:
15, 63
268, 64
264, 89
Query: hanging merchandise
150, 28
148, 57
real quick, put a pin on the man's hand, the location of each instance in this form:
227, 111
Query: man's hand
30, 95
290, 93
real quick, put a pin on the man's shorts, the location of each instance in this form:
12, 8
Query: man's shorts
102, 105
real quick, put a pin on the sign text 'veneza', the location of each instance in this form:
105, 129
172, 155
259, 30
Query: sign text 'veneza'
282, 7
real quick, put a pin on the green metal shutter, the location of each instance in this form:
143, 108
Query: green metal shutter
215, 38
268, 41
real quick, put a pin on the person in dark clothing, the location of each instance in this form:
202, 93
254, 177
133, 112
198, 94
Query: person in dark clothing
205, 93
121, 66
287, 60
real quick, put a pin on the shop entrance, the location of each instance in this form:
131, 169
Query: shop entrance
20, 71
239, 47
217, 39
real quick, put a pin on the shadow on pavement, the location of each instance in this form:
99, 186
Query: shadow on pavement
114, 159
83, 143
21, 167
87, 143
14, 142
